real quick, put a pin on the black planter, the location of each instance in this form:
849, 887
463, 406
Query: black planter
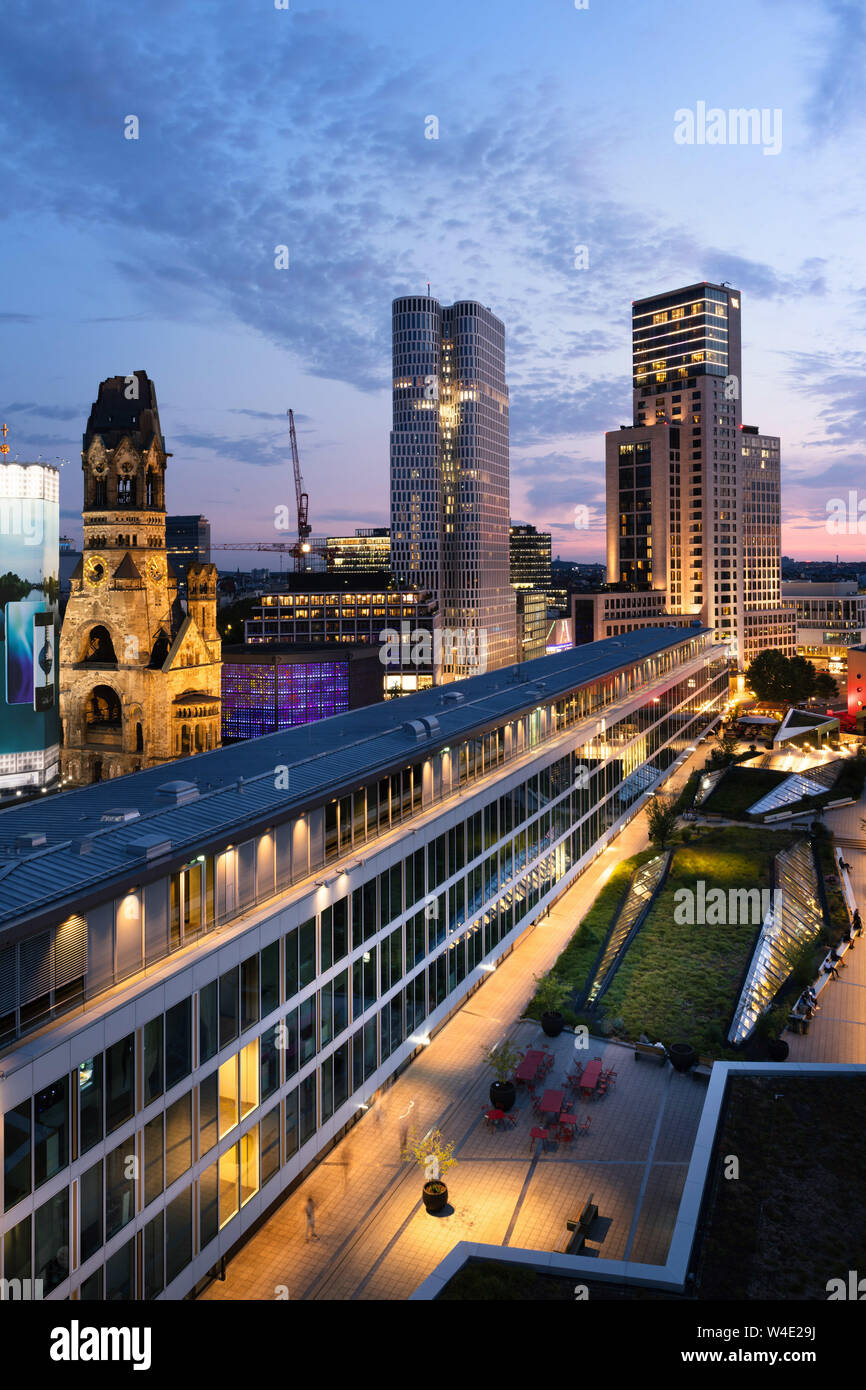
552, 1024
434, 1201
777, 1050
503, 1094
682, 1056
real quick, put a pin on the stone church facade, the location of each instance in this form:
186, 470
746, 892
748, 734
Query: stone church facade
139, 676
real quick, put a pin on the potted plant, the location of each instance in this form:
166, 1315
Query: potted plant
502, 1060
435, 1158
682, 1055
550, 994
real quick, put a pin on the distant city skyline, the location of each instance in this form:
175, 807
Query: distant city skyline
383, 158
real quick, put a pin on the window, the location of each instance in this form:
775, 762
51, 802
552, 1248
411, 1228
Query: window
228, 1091
270, 1144
249, 1164
91, 1212
154, 1158
178, 1138
51, 1129
208, 1044
154, 1263
228, 1185
153, 1059
269, 1062
209, 1205
249, 992
120, 1079
51, 1240
178, 1043
207, 1110
120, 1167
178, 1234
249, 1068
90, 1128
228, 1007
16, 1154
270, 978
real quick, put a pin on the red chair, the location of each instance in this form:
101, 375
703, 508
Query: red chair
584, 1128
565, 1134
537, 1133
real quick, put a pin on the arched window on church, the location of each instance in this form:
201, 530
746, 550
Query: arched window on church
149, 489
125, 491
184, 739
100, 493
99, 648
139, 739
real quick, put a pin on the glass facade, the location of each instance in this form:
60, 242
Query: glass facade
206, 1102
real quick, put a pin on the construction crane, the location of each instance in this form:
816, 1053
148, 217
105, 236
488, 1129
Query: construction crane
303, 547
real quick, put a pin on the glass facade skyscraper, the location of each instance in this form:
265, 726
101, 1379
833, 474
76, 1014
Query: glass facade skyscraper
449, 475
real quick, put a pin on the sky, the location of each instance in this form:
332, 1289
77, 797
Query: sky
306, 127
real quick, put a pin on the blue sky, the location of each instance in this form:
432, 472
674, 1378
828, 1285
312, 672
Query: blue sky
306, 127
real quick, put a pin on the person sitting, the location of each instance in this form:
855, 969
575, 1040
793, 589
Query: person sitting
830, 966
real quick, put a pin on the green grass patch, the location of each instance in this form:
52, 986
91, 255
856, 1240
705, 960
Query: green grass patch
680, 983
577, 959
742, 787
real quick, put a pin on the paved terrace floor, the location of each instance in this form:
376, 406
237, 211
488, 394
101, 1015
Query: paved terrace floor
375, 1239
837, 1033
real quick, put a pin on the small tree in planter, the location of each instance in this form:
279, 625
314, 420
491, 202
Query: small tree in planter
502, 1061
550, 995
434, 1158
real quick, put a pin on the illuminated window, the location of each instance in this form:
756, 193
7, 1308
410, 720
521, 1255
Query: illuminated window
228, 1095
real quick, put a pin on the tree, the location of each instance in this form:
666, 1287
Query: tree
661, 818
551, 992
502, 1060
801, 680
825, 686
773, 676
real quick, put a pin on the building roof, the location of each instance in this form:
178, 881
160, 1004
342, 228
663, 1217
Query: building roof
234, 788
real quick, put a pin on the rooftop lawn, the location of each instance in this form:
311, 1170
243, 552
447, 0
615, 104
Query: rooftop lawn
742, 787
677, 983
791, 1222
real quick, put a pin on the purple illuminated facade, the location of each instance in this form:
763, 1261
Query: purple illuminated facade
263, 692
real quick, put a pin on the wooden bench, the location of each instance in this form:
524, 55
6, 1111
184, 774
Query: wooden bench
648, 1050
578, 1227
584, 1219
703, 1068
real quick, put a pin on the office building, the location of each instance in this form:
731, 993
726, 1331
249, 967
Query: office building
831, 619
680, 478
532, 624
274, 688
29, 590
213, 968
367, 552
449, 475
529, 552
187, 542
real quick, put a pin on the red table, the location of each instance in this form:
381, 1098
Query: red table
494, 1117
567, 1119
551, 1102
589, 1079
527, 1070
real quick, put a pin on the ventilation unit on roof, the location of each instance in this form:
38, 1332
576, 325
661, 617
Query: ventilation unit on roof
29, 840
453, 697
416, 729
431, 724
120, 815
178, 793
148, 846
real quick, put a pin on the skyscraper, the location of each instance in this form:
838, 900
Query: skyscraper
449, 476
676, 500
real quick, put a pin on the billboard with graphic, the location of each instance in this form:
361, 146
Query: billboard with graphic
29, 589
